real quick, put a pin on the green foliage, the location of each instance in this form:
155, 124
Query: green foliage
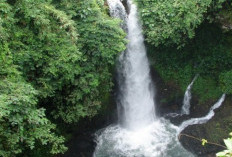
228, 152
6, 19
208, 54
22, 124
173, 21
71, 72
100, 41
207, 88
55, 56
226, 82
39, 29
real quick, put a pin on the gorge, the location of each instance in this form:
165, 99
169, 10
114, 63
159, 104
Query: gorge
115, 78
139, 131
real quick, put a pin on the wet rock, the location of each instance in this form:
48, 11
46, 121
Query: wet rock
169, 100
195, 146
213, 131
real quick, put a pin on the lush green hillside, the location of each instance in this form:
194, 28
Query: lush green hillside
186, 38
171, 22
189, 38
56, 60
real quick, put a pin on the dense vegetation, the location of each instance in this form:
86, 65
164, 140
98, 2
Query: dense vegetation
173, 21
185, 38
207, 55
56, 60
189, 38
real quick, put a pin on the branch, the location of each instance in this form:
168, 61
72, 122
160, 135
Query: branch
198, 139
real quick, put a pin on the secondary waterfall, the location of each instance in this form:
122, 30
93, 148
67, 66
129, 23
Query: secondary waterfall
187, 98
204, 119
185, 109
139, 133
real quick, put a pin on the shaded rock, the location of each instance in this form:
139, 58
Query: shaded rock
82, 143
214, 131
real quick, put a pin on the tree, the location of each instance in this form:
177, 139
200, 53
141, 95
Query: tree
58, 57
172, 22
22, 124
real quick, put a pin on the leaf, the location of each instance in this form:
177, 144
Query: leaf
204, 141
230, 134
228, 143
221, 154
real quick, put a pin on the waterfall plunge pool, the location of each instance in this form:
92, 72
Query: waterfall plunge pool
156, 140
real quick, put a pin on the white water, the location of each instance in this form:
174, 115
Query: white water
156, 140
187, 98
118, 10
204, 119
137, 98
185, 109
139, 132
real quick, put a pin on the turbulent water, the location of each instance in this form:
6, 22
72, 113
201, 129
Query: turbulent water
158, 139
139, 132
187, 98
137, 98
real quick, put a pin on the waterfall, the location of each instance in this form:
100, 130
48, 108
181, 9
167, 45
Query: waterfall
135, 102
185, 109
136, 99
118, 10
187, 97
139, 132
204, 119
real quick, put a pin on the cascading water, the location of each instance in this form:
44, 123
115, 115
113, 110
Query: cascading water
185, 109
139, 132
117, 10
204, 119
187, 97
137, 98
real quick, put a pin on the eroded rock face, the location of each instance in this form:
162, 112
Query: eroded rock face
214, 131
124, 2
169, 97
